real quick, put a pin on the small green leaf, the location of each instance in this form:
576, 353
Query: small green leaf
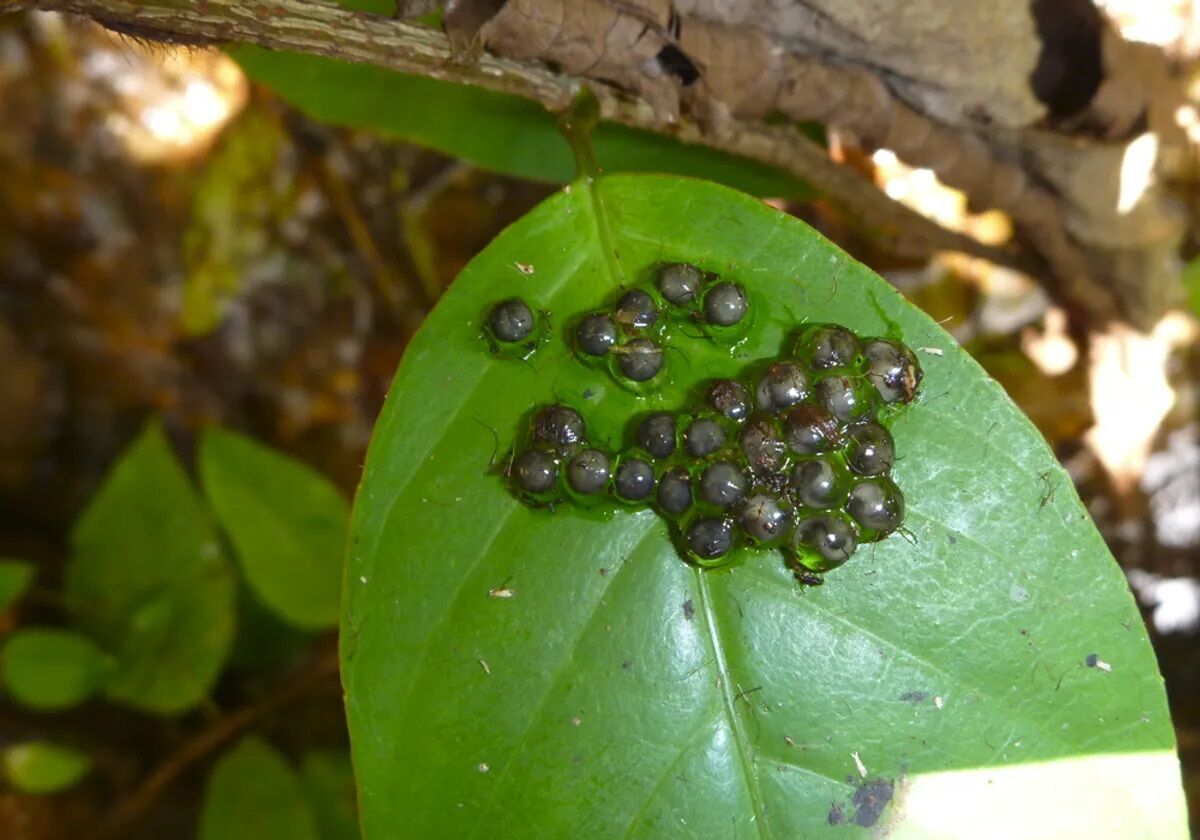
329, 779
253, 794
42, 767
1191, 284
495, 131
265, 644
51, 669
991, 655
152, 581
287, 522
15, 578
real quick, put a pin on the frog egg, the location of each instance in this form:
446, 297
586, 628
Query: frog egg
729, 397
869, 448
675, 491
725, 304
559, 426
817, 484
596, 334
640, 359
761, 444
893, 369
832, 540
656, 434
827, 346
634, 480
809, 429
710, 537
764, 519
703, 436
679, 282
843, 398
783, 384
723, 485
636, 310
877, 505
511, 320
588, 472
534, 472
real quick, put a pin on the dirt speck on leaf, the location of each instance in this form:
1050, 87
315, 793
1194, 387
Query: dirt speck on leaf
836, 815
913, 696
689, 610
870, 798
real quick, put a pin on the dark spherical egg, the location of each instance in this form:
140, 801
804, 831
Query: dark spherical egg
723, 484
809, 429
831, 538
826, 346
869, 448
762, 445
559, 426
729, 397
634, 479
640, 359
679, 283
588, 472
656, 434
596, 334
725, 304
636, 309
675, 491
783, 384
764, 518
710, 537
877, 505
893, 369
703, 436
535, 472
817, 484
511, 320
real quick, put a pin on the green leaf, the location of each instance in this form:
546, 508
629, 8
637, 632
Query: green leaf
52, 669
253, 794
288, 525
329, 780
1191, 284
15, 579
621, 692
153, 584
495, 131
42, 767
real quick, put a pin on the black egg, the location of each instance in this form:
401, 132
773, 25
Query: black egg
725, 304
877, 505
826, 346
817, 484
679, 283
763, 518
710, 537
723, 485
675, 491
656, 434
559, 426
535, 472
640, 359
831, 538
893, 369
636, 309
703, 437
596, 334
729, 397
782, 384
762, 445
588, 472
634, 480
869, 448
511, 320
841, 398
809, 429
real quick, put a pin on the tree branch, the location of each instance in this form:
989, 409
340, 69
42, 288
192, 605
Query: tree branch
322, 28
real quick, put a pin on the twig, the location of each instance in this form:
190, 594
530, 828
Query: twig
321, 28
127, 812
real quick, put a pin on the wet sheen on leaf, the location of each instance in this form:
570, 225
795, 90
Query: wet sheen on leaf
507, 667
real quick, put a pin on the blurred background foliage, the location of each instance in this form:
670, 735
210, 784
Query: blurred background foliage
203, 295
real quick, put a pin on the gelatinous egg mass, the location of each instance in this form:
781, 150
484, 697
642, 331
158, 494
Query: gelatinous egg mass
792, 455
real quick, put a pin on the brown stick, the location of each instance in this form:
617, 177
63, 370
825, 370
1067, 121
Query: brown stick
321, 28
127, 812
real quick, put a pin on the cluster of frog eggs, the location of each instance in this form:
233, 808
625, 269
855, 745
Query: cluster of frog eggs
793, 456
630, 337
